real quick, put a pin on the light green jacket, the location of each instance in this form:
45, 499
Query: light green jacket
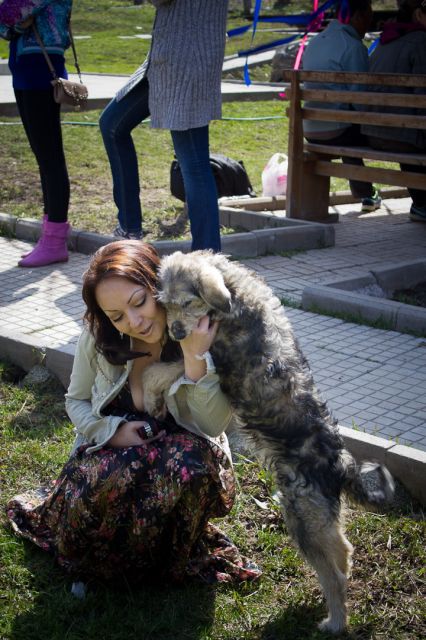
200, 407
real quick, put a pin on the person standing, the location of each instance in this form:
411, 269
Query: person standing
339, 48
39, 112
402, 50
179, 86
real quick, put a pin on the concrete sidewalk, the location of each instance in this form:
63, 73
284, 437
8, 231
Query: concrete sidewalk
102, 87
374, 380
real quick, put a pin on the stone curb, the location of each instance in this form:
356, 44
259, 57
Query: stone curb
406, 464
344, 297
259, 239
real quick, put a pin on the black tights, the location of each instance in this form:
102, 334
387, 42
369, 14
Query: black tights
41, 119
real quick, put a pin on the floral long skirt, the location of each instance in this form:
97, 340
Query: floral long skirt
138, 512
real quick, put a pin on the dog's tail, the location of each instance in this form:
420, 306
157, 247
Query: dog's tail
369, 483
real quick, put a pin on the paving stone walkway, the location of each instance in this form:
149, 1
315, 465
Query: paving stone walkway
374, 379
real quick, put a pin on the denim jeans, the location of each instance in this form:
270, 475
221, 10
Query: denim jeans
192, 151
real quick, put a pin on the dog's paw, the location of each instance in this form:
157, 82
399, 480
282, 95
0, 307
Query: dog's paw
155, 405
332, 625
156, 382
377, 483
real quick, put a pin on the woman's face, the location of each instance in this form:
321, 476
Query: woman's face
132, 309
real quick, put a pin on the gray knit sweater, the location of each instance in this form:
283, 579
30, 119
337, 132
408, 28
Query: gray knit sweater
184, 65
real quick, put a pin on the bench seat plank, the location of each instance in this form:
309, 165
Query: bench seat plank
337, 151
354, 77
369, 174
362, 117
416, 101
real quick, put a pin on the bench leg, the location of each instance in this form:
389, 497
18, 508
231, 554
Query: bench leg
308, 195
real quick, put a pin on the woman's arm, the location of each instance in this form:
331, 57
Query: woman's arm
195, 346
201, 404
14, 12
6, 32
198, 399
78, 397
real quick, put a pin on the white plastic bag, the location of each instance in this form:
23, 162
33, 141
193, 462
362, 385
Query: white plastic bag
274, 175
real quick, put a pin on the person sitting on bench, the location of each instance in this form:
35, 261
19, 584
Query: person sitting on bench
402, 50
339, 48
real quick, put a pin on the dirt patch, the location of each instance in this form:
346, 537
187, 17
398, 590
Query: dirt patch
415, 296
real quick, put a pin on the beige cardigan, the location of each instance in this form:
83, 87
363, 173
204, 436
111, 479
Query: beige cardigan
200, 407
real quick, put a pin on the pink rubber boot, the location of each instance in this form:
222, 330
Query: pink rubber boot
52, 246
27, 253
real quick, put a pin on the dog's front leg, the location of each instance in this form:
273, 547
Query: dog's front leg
156, 381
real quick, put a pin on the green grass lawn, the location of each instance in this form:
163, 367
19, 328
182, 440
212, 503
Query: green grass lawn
113, 24
385, 593
91, 206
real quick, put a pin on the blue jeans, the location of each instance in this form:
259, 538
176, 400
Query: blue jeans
117, 122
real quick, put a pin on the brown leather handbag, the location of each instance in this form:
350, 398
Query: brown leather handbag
67, 92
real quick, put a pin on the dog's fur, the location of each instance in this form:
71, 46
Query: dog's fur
268, 382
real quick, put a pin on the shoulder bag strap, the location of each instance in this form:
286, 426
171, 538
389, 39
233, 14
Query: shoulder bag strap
77, 66
46, 55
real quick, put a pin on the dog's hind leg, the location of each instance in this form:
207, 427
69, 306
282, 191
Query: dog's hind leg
318, 535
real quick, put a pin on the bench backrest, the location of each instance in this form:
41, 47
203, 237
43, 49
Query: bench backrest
376, 97
380, 100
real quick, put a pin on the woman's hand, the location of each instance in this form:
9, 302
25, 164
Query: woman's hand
195, 344
127, 435
26, 23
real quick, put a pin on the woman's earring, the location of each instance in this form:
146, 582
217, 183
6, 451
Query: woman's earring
121, 335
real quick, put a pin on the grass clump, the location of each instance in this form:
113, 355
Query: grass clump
385, 593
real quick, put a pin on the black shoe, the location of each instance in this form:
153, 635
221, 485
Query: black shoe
418, 214
119, 232
372, 203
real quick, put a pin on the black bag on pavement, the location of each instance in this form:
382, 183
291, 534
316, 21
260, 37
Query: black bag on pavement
230, 176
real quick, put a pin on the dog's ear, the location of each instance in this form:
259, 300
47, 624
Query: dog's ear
212, 289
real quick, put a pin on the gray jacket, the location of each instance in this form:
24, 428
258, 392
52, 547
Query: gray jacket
200, 407
404, 55
184, 64
338, 48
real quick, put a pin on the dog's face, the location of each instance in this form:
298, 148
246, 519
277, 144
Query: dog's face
189, 288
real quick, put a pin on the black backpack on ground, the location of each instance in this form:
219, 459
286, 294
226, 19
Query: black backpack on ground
230, 176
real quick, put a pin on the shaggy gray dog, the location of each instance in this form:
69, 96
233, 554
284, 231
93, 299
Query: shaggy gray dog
268, 382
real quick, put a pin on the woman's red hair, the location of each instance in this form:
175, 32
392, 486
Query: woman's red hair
128, 259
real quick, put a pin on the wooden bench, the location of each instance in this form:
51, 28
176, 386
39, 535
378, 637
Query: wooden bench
311, 165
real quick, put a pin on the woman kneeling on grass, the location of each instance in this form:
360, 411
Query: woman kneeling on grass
136, 495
